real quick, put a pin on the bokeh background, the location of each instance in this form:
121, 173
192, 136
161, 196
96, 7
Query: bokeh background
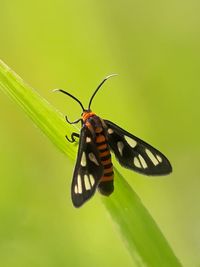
154, 46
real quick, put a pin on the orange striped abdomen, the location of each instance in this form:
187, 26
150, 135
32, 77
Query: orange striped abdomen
106, 183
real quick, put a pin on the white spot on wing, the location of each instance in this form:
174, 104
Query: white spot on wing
83, 160
87, 182
120, 147
93, 158
152, 157
79, 184
136, 162
130, 141
92, 181
88, 139
159, 158
76, 189
143, 162
110, 131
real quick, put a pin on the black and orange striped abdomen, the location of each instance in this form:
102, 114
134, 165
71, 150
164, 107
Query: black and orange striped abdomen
105, 186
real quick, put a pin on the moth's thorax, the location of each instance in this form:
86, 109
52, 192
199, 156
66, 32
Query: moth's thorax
93, 122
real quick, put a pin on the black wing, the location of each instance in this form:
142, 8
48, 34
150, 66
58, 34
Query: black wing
135, 154
88, 169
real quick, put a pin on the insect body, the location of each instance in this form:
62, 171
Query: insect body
98, 137
100, 140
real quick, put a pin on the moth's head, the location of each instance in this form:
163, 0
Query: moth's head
87, 114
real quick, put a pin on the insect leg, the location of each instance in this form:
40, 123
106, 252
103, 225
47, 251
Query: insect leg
72, 122
73, 135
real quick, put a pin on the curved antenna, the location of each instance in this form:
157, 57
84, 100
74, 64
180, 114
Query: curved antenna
105, 79
76, 99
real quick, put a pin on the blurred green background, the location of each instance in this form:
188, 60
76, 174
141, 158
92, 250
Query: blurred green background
154, 46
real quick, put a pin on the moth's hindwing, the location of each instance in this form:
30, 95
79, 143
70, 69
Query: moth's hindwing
88, 170
135, 154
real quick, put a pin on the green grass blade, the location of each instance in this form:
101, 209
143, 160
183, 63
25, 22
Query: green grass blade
142, 236
44, 115
145, 242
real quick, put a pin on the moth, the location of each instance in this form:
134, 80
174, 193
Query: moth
97, 139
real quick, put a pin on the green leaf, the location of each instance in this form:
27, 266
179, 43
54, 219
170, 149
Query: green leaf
141, 235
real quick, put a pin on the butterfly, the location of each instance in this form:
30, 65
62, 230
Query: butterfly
97, 139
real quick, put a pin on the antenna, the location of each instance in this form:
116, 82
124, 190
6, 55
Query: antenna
105, 79
76, 99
